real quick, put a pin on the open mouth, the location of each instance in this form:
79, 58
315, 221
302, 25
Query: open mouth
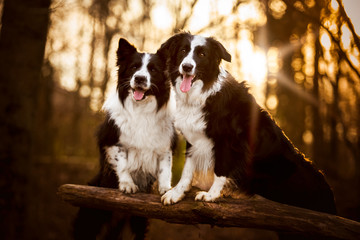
139, 94
186, 83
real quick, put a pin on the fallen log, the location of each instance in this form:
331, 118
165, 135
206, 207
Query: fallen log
247, 213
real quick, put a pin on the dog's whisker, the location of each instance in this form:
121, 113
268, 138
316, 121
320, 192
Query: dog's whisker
124, 84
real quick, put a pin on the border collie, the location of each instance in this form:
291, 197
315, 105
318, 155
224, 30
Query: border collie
229, 133
137, 137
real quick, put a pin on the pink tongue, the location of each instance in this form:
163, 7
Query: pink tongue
186, 83
138, 95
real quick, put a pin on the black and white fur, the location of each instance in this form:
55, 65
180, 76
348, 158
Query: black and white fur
228, 132
137, 137
143, 128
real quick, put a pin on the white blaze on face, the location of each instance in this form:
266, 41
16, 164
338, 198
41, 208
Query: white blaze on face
142, 72
188, 76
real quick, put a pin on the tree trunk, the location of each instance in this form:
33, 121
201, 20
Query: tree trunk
317, 126
22, 44
254, 212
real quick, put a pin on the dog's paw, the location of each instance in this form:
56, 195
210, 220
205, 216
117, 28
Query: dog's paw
172, 196
206, 196
164, 189
128, 187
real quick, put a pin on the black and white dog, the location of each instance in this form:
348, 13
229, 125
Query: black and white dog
227, 131
136, 139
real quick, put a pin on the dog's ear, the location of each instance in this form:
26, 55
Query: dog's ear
220, 50
125, 49
167, 49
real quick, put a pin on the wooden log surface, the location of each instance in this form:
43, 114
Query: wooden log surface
248, 213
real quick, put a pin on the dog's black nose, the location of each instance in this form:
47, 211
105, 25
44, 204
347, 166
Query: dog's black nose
187, 67
140, 79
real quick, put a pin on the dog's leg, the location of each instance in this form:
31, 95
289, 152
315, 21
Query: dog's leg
214, 192
164, 173
178, 192
118, 158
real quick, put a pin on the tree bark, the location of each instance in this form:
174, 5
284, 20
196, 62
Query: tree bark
317, 126
254, 212
22, 45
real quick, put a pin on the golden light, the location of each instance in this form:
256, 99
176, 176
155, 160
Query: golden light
322, 66
352, 134
95, 103
250, 63
310, 3
67, 81
224, 7
161, 17
201, 16
308, 66
272, 102
329, 24
331, 69
299, 77
272, 81
85, 91
308, 137
71, 51
111, 22
273, 60
278, 8
325, 40
296, 64
355, 60
334, 5
98, 63
345, 37
251, 13
258, 66
253, 62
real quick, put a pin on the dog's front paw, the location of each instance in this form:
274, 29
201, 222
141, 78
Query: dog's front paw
206, 196
172, 196
128, 187
164, 189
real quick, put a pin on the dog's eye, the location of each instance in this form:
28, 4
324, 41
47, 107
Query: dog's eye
183, 51
134, 67
152, 69
201, 54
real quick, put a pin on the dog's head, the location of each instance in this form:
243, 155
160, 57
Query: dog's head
191, 58
141, 75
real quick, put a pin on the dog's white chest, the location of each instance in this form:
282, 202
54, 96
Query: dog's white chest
145, 128
189, 119
141, 126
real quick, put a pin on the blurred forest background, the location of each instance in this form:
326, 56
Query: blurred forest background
57, 63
